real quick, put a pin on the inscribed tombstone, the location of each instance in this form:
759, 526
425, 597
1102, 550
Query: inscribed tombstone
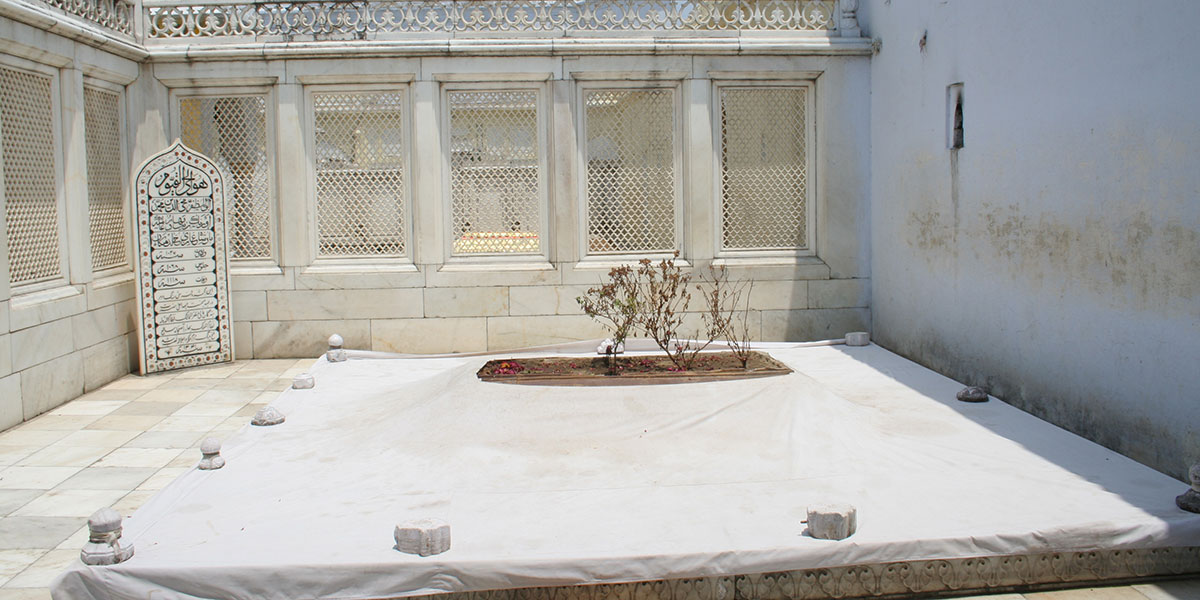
183, 283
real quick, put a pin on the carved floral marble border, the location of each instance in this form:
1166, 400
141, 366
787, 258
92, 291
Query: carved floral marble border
886, 580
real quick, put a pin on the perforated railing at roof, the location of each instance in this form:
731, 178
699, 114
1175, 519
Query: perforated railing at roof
232, 131
630, 170
360, 158
368, 18
764, 175
106, 211
495, 172
31, 199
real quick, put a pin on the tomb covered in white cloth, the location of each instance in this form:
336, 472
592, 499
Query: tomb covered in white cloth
559, 486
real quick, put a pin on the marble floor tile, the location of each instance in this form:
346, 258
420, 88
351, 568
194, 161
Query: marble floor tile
15, 437
98, 438
162, 478
280, 384
69, 503
181, 384
76, 540
227, 396
189, 459
247, 411
126, 423
11, 500
136, 382
107, 478
37, 532
65, 456
58, 423
43, 571
1183, 589
209, 409
34, 478
105, 394
24, 594
88, 407
218, 371
197, 424
256, 384
11, 455
171, 395
138, 457
132, 501
166, 439
17, 560
1091, 593
230, 425
152, 408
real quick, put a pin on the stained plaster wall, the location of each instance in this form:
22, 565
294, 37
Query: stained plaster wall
64, 340
1056, 258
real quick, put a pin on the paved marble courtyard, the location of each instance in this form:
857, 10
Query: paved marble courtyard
118, 445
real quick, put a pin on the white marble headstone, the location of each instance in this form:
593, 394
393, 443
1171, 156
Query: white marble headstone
183, 281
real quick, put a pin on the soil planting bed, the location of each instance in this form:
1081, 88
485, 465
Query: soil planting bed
630, 370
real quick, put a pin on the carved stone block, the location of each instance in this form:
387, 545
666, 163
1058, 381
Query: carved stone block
305, 381
267, 416
104, 540
1190, 500
832, 521
858, 338
423, 537
972, 394
210, 448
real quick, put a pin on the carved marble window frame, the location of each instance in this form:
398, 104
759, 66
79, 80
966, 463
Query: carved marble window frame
257, 265
586, 82
122, 110
766, 80
540, 84
61, 285
405, 261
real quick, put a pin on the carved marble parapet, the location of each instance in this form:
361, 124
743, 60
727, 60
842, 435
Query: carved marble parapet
116, 15
362, 19
959, 576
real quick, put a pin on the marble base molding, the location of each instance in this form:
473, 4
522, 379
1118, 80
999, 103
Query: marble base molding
888, 580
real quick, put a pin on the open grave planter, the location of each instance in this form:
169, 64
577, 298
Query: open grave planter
628, 370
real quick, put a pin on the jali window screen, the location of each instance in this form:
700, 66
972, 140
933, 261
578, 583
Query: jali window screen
360, 161
31, 201
102, 127
495, 172
631, 196
764, 173
232, 131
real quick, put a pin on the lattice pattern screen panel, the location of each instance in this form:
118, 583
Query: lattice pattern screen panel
630, 170
102, 127
27, 143
360, 173
495, 172
232, 131
764, 175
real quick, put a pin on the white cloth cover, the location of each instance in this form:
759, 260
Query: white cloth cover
569, 485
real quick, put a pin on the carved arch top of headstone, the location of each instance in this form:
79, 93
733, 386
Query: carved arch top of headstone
182, 272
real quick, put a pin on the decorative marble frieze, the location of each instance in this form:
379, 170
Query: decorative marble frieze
200, 20
960, 575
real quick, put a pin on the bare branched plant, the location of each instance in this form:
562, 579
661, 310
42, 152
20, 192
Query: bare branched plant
666, 297
737, 330
617, 304
717, 316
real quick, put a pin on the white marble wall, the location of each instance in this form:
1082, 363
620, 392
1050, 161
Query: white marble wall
430, 302
60, 341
